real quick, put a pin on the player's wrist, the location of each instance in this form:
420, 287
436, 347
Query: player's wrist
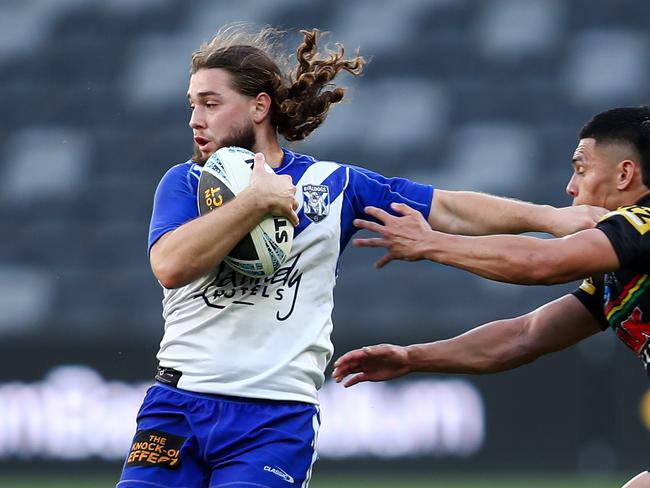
257, 201
435, 246
413, 358
550, 220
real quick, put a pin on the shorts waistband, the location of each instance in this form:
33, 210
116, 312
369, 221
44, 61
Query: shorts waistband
168, 376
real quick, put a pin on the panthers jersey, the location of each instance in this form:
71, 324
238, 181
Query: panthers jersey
269, 337
621, 299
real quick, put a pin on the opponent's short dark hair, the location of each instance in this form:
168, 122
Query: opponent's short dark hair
629, 125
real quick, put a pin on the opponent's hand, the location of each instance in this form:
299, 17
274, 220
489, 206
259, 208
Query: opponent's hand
372, 363
276, 193
401, 236
569, 220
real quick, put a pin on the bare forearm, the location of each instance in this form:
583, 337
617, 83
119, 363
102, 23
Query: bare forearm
490, 348
503, 258
522, 259
507, 344
472, 213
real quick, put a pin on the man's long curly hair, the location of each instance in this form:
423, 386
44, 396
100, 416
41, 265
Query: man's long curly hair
301, 96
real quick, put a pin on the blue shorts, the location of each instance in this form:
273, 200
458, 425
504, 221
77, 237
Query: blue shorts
192, 440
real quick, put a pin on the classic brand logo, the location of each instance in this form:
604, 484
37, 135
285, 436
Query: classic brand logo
279, 472
316, 199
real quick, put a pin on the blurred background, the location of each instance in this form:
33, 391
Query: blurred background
461, 94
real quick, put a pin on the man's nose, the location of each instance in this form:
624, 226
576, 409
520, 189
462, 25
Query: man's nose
572, 188
196, 119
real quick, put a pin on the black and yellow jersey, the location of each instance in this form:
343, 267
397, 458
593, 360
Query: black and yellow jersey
621, 299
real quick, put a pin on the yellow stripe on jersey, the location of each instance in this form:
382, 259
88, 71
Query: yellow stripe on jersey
629, 296
639, 217
588, 286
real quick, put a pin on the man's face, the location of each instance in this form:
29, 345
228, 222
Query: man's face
221, 116
594, 179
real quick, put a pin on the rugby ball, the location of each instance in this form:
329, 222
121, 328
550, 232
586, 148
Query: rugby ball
263, 251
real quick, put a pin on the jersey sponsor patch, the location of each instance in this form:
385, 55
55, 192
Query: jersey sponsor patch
638, 216
155, 448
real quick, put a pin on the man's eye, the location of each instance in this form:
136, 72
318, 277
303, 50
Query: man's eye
190, 107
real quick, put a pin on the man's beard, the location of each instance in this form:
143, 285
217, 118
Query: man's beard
242, 137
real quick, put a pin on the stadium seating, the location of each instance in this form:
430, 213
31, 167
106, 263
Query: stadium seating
460, 93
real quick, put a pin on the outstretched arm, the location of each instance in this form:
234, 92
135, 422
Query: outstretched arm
490, 348
472, 213
508, 258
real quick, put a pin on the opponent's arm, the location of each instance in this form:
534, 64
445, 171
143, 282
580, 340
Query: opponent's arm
508, 258
490, 348
472, 213
191, 250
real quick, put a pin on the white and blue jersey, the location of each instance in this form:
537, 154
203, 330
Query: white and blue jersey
269, 337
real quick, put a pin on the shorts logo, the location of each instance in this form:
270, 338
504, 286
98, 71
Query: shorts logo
279, 472
316, 199
155, 448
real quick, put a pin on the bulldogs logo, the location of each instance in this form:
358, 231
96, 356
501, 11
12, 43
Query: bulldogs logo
316, 199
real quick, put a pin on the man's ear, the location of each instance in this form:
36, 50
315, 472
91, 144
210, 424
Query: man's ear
626, 171
261, 107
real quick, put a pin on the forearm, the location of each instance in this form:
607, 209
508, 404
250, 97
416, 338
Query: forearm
490, 348
196, 247
507, 344
522, 259
511, 259
472, 213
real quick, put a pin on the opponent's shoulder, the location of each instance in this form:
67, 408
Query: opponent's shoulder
635, 217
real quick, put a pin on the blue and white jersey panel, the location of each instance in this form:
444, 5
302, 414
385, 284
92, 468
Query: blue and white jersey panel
269, 337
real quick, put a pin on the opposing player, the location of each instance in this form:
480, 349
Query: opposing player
241, 360
611, 169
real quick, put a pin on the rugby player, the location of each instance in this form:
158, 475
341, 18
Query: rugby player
241, 359
611, 168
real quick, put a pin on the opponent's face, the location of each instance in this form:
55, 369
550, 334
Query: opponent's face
221, 116
594, 179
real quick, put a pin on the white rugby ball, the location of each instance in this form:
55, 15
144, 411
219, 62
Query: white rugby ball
263, 251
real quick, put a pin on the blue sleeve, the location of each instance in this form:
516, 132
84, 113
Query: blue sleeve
175, 200
367, 188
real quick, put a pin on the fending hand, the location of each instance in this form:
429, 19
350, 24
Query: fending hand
569, 220
402, 236
372, 363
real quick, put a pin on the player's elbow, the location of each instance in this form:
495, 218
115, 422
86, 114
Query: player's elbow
169, 275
